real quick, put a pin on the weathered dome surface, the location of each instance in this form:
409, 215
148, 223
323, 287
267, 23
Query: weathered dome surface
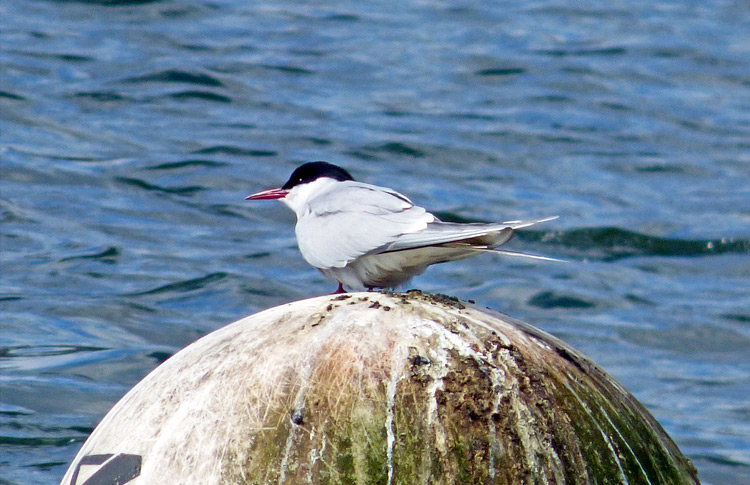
380, 388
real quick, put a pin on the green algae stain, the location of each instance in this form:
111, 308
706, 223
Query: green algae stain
414, 459
345, 462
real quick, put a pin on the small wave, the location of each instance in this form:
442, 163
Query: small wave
584, 52
108, 255
142, 184
186, 164
26, 351
176, 76
61, 56
183, 286
116, 3
201, 95
549, 300
13, 96
38, 441
160, 357
289, 69
224, 210
13, 410
612, 243
103, 96
236, 151
500, 71
396, 148
708, 341
737, 317
342, 17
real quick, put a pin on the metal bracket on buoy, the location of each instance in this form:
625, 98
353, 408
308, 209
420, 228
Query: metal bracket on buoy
110, 469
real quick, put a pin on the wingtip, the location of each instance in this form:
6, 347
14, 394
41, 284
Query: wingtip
522, 223
529, 256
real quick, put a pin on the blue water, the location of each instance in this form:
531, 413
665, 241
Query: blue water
131, 131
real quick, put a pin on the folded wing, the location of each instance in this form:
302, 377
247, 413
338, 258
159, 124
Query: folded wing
359, 219
353, 220
479, 236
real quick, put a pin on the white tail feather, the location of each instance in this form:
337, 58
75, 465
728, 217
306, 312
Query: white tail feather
520, 224
507, 252
527, 255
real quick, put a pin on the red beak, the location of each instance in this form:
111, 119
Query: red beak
268, 194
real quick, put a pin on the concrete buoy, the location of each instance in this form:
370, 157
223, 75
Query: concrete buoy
378, 388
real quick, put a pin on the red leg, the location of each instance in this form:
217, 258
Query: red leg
340, 289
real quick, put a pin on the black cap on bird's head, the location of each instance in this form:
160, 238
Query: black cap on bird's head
314, 170
303, 174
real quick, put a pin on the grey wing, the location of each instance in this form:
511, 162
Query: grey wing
472, 236
353, 220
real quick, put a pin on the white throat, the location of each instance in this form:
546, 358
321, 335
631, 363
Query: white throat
299, 197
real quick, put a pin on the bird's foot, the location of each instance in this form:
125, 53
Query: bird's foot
339, 290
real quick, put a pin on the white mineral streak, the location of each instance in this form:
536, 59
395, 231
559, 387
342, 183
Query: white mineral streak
603, 432
625, 442
391, 437
497, 378
315, 455
299, 402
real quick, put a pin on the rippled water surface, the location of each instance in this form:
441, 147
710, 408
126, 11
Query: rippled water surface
132, 131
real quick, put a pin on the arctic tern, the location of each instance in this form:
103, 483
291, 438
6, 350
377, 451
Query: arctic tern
364, 236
